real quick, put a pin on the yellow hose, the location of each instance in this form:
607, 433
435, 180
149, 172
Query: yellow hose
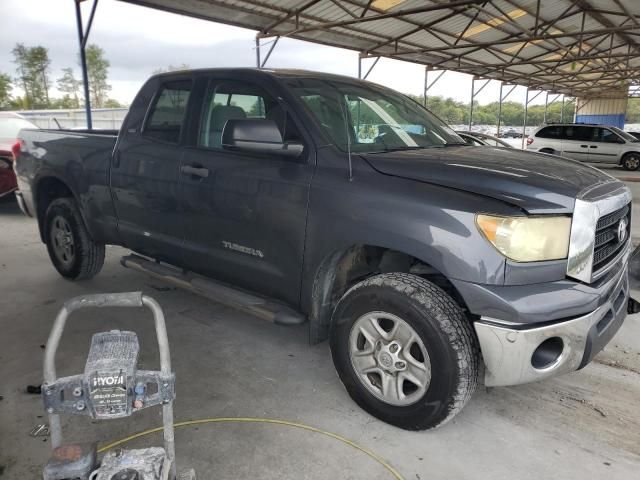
271, 421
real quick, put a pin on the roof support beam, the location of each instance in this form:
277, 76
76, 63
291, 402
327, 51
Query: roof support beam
83, 37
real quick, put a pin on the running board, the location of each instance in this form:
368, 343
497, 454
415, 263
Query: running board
260, 307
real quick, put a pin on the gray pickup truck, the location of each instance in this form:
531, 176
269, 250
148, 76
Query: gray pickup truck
302, 196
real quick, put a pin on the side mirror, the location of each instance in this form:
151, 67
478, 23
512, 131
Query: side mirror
257, 135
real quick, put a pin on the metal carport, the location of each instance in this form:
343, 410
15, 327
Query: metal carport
578, 48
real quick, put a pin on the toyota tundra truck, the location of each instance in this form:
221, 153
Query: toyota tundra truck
308, 197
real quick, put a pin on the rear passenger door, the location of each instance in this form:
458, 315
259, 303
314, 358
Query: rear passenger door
145, 175
245, 216
575, 142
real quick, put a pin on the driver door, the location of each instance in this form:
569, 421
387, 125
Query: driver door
245, 215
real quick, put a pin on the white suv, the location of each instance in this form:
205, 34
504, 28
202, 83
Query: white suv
588, 143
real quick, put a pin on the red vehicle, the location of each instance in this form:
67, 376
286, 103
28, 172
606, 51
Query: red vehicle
10, 126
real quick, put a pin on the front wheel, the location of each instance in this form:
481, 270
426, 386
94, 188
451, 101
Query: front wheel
631, 161
404, 351
71, 249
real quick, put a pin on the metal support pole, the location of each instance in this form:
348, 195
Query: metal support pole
562, 111
359, 67
524, 122
473, 87
258, 63
273, 45
499, 111
83, 60
473, 96
546, 104
427, 86
426, 81
502, 99
371, 68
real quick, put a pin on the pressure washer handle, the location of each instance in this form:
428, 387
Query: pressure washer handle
129, 299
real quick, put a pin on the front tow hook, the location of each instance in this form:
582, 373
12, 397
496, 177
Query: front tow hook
633, 306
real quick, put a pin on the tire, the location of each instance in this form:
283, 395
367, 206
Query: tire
631, 161
442, 330
71, 249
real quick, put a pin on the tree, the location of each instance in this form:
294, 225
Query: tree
171, 68
97, 71
112, 103
32, 67
5, 91
70, 85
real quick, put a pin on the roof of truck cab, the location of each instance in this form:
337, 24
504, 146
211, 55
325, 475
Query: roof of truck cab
273, 72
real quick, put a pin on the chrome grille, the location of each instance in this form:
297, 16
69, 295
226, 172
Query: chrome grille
607, 244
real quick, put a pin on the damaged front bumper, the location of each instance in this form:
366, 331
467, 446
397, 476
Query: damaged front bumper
515, 354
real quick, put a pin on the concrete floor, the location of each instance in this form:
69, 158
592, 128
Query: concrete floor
581, 426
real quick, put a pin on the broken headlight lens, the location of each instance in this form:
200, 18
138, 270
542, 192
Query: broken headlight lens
527, 239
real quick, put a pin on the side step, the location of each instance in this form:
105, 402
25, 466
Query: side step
260, 307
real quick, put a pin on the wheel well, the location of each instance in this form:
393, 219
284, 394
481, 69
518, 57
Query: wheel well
547, 150
345, 268
626, 154
48, 190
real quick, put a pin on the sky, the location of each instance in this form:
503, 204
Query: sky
138, 40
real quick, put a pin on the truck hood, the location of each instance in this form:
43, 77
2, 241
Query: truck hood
535, 182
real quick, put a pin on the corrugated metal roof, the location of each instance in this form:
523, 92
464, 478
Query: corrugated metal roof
577, 47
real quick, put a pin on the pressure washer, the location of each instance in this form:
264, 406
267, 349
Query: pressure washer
111, 387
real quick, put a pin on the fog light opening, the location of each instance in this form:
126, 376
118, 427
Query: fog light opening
548, 353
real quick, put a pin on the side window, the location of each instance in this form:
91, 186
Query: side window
578, 133
237, 100
167, 115
550, 132
607, 136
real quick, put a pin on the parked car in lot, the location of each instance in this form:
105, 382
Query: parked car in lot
10, 125
634, 134
411, 251
476, 138
511, 133
588, 143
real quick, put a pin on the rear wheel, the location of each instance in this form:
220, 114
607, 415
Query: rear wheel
404, 351
71, 249
631, 161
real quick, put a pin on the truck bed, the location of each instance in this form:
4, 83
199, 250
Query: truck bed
80, 159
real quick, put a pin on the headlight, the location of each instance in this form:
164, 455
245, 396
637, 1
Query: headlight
527, 239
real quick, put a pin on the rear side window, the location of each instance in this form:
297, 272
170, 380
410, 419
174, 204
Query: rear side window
576, 132
550, 132
167, 115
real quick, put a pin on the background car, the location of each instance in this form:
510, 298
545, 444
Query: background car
588, 143
635, 134
511, 133
10, 126
477, 138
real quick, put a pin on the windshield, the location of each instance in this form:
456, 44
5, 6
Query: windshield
10, 126
371, 119
627, 136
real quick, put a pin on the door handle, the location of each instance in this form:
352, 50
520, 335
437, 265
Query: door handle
195, 171
593, 146
584, 146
